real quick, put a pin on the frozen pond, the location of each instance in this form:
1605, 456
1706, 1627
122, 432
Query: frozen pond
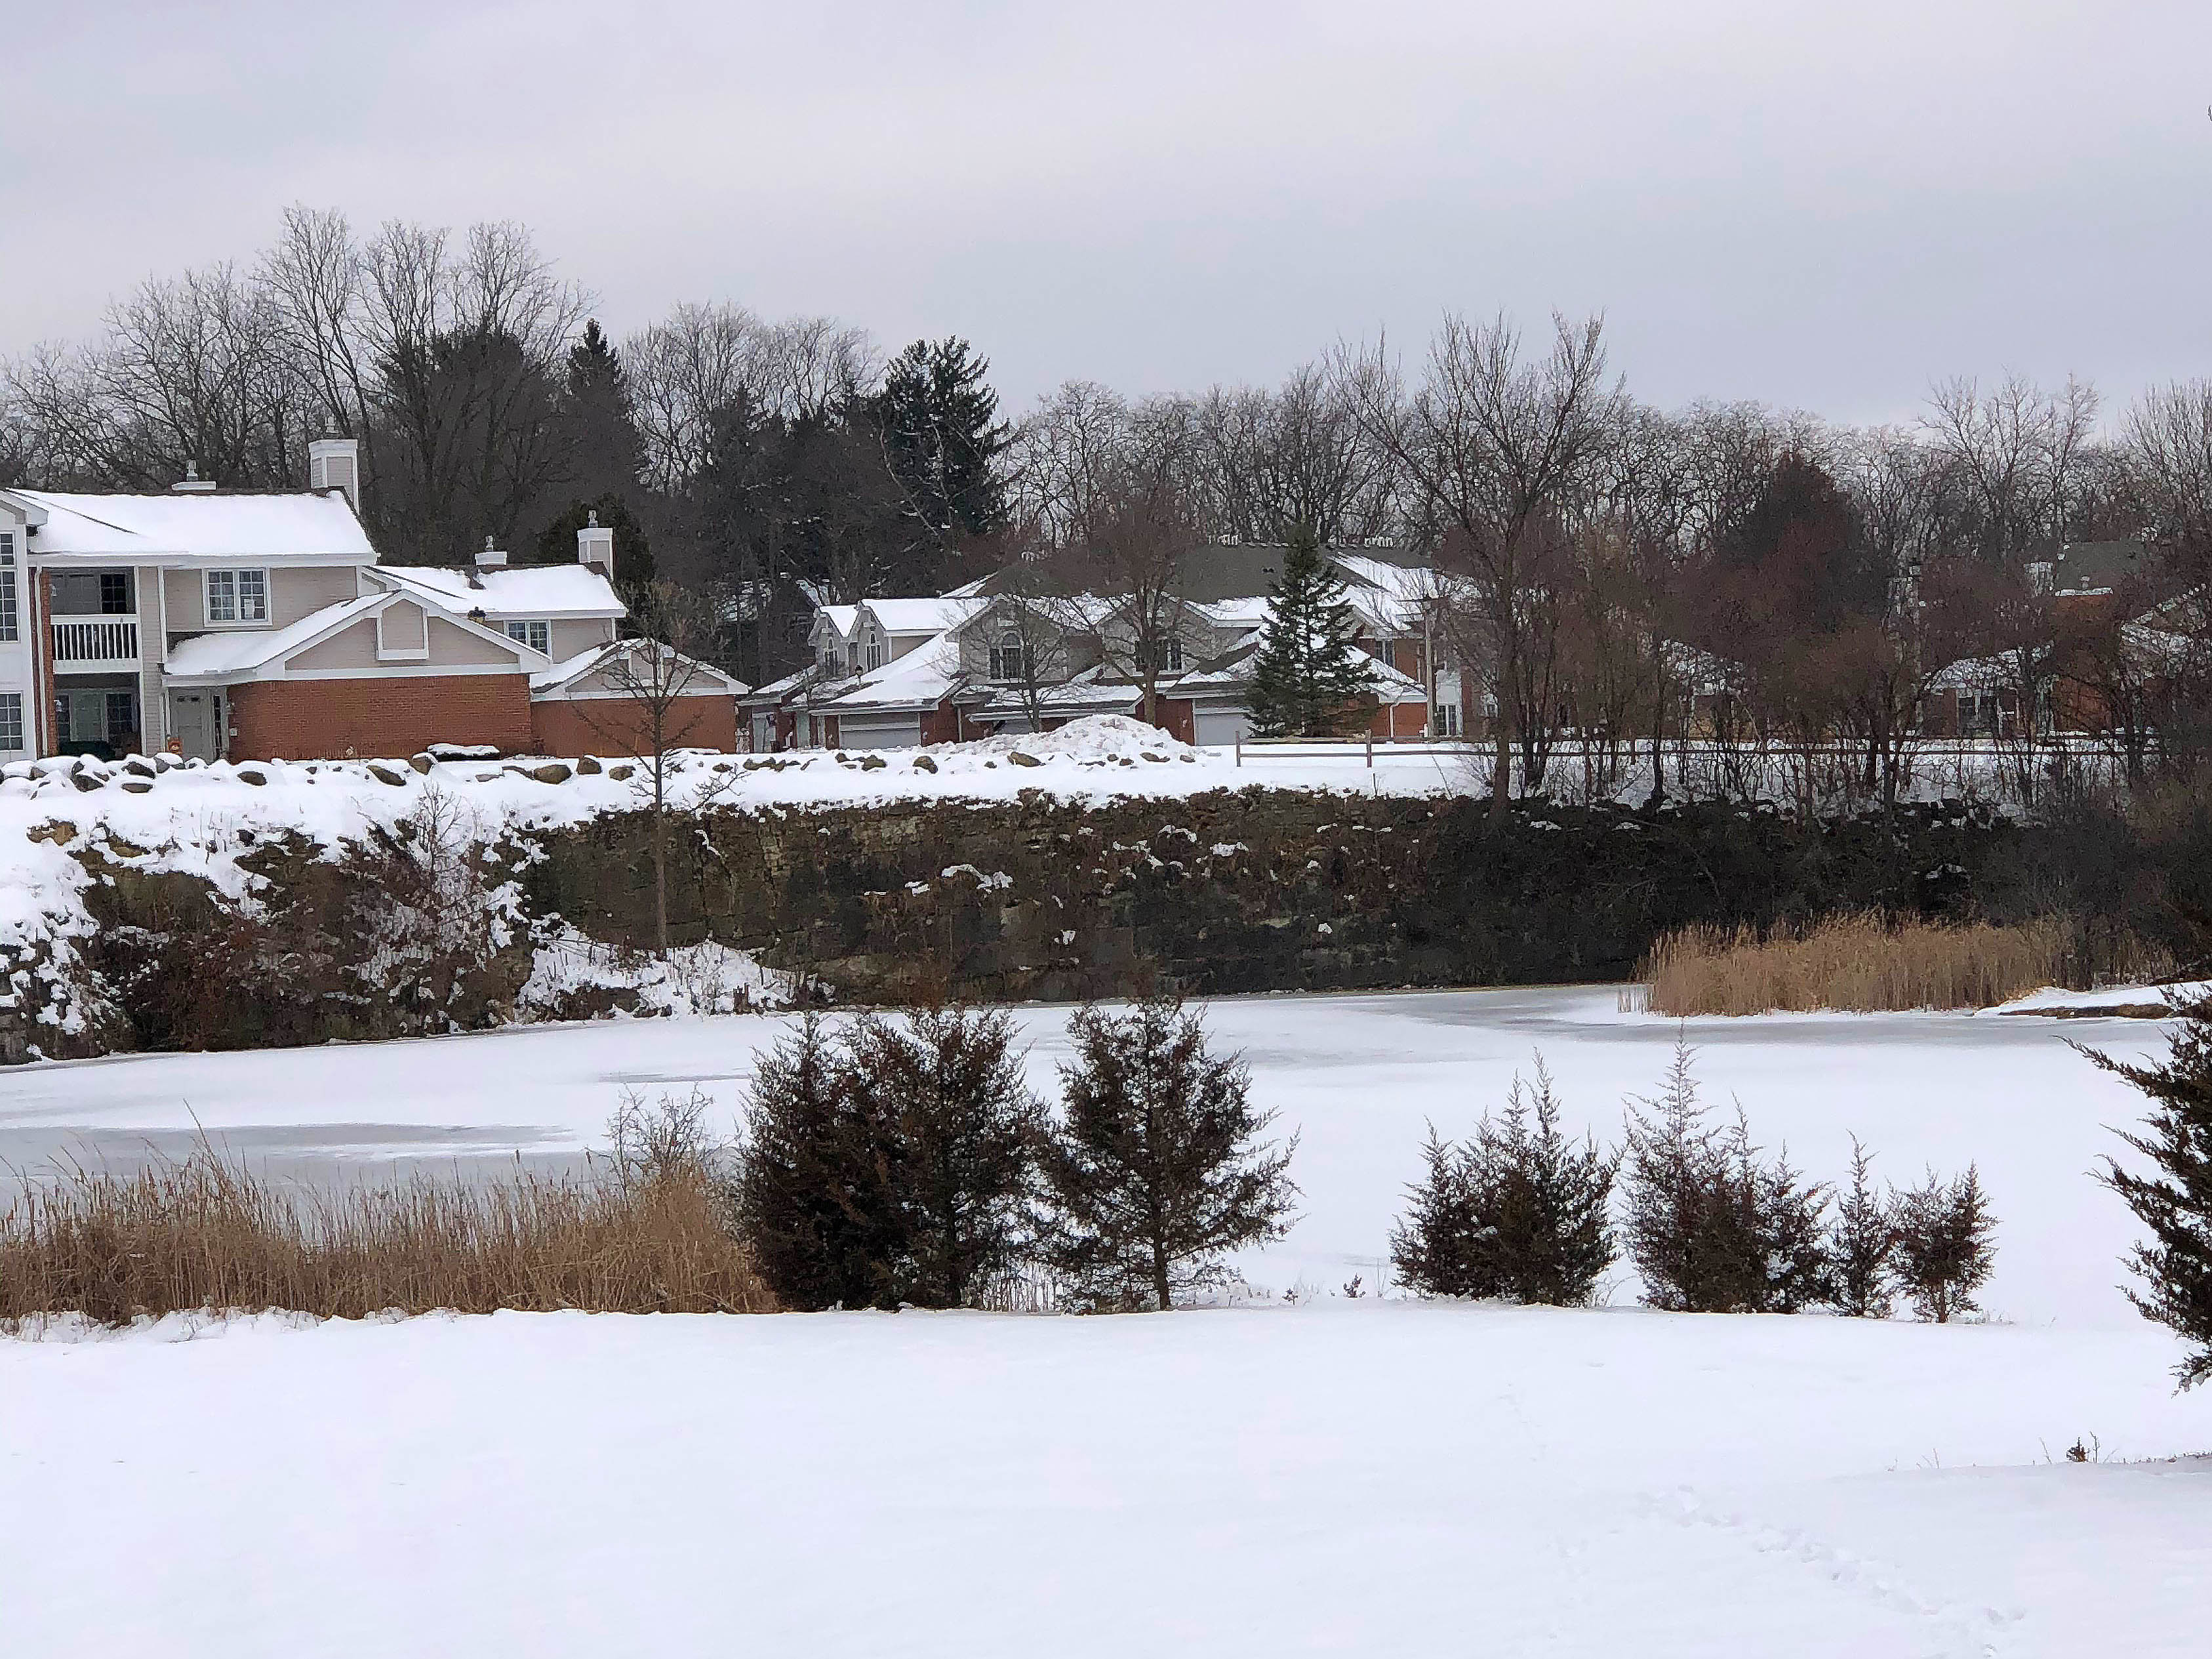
1358, 1076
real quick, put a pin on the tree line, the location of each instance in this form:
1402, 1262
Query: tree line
1618, 570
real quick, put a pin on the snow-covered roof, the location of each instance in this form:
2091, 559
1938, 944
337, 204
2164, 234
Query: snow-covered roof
921, 616
1247, 613
570, 671
213, 654
840, 618
922, 678
518, 591
212, 525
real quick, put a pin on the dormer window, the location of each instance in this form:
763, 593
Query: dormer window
237, 597
875, 649
537, 633
1162, 655
1011, 661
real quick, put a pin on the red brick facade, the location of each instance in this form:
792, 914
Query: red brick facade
604, 725
328, 719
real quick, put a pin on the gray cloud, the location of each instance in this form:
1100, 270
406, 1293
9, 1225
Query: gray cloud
1811, 204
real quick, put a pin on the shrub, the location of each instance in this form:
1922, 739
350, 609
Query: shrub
1710, 1227
949, 1084
893, 1164
1517, 1211
1861, 1245
2175, 1204
1155, 1173
1943, 1249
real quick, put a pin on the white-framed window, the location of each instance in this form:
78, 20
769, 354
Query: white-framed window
1444, 720
875, 650
11, 721
535, 633
237, 597
10, 617
1166, 655
1011, 661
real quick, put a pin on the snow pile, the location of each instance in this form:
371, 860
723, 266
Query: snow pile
2136, 1001
1094, 737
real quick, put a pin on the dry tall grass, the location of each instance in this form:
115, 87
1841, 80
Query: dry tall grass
207, 1234
1867, 963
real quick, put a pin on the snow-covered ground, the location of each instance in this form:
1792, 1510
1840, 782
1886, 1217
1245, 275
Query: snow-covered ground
1339, 1476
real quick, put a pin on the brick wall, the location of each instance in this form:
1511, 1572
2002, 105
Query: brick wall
618, 726
326, 719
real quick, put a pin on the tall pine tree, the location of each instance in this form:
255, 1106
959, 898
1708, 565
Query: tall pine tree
942, 436
1308, 677
2176, 1202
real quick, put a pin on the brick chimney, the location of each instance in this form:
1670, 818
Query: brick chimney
334, 464
595, 548
488, 557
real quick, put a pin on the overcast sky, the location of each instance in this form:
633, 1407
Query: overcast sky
1819, 206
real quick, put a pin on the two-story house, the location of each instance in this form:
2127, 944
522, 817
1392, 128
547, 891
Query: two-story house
244, 626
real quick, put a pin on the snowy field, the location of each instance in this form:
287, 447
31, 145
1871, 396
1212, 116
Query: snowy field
1373, 1477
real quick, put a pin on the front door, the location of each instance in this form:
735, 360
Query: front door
196, 722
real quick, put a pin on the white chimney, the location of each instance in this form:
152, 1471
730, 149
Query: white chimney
490, 557
595, 548
193, 484
334, 464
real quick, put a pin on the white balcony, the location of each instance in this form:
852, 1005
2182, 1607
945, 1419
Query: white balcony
95, 645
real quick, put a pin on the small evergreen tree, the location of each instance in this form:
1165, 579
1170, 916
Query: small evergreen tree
942, 436
1861, 1245
2176, 1203
1518, 1211
893, 1165
815, 1190
1712, 1228
1944, 1252
949, 1084
1155, 1173
1308, 677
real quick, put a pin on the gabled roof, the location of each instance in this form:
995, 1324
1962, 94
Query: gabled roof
571, 672
518, 591
921, 616
244, 652
214, 525
923, 677
212, 654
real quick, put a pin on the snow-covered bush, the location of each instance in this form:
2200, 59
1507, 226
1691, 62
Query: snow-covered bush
1517, 1211
1710, 1226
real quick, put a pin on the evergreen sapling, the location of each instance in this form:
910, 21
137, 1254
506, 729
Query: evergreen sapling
2174, 1201
1519, 1211
1309, 678
1155, 1172
1944, 1252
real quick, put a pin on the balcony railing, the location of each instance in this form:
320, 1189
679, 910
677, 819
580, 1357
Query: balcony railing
95, 645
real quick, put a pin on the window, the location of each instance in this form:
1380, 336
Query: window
1011, 661
1444, 720
537, 635
11, 719
237, 596
875, 650
9, 623
1163, 655
114, 594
